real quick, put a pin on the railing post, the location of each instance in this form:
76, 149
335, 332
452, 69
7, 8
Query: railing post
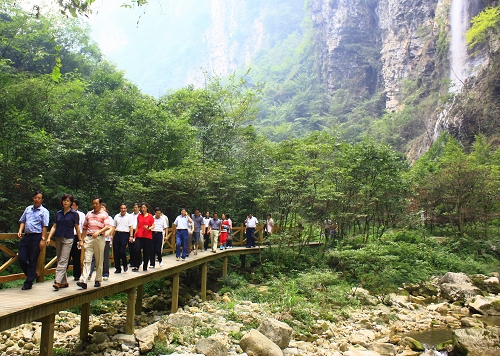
224, 267
173, 238
242, 234
41, 265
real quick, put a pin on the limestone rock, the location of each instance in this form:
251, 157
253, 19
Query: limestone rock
125, 339
211, 346
181, 319
277, 331
147, 335
412, 344
256, 344
362, 337
485, 305
383, 348
477, 342
455, 278
458, 292
471, 322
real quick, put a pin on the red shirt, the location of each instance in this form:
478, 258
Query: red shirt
141, 232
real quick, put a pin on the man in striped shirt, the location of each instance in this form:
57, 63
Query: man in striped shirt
95, 225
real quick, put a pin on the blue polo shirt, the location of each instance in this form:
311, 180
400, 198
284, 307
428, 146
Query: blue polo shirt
65, 223
34, 219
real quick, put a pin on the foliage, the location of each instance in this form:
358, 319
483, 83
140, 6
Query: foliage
483, 26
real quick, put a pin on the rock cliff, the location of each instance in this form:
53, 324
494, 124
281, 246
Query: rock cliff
370, 45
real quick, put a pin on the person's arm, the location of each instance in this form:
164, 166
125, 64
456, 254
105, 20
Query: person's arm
51, 233
21, 229
43, 241
79, 234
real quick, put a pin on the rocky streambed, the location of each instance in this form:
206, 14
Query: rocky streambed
221, 326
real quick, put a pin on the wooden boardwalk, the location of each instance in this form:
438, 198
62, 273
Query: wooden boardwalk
42, 302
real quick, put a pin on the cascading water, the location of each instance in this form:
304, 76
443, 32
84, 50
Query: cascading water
460, 64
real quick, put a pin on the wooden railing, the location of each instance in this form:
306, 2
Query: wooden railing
48, 267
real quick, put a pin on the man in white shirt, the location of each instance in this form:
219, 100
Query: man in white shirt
181, 235
205, 236
124, 229
160, 230
250, 225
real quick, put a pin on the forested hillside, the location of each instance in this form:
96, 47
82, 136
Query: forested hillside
71, 122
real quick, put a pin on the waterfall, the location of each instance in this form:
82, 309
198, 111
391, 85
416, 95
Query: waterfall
460, 66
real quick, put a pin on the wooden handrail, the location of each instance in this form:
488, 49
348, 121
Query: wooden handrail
48, 267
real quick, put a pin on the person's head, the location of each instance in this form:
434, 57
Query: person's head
67, 200
249, 215
157, 212
76, 204
183, 212
97, 204
207, 214
144, 208
216, 216
197, 212
268, 216
136, 208
105, 207
37, 198
227, 216
123, 209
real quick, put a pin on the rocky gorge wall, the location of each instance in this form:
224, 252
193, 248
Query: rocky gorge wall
378, 43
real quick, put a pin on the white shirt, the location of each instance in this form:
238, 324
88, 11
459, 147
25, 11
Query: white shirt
107, 233
123, 223
252, 222
82, 220
205, 222
134, 220
160, 224
182, 222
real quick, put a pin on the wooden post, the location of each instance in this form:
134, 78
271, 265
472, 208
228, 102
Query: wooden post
224, 267
129, 327
138, 300
84, 322
175, 293
47, 337
242, 235
204, 270
243, 261
41, 265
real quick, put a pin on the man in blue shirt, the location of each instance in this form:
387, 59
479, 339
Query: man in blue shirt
33, 222
181, 235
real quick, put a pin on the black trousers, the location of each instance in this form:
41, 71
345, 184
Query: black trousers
206, 238
120, 242
157, 243
145, 246
29, 250
75, 255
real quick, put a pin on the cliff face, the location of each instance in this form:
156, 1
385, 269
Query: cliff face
374, 44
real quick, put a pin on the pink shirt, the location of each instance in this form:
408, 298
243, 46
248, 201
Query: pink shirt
95, 222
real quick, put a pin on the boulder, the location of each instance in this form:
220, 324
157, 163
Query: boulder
277, 331
455, 278
383, 348
362, 337
147, 335
125, 339
458, 292
485, 305
469, 322
352, 352
477, 342
254, 343
412, 344
211, 346
181, 320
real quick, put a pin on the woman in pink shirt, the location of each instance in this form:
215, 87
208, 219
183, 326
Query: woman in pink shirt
144, 237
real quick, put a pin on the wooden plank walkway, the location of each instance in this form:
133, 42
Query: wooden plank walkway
43, 302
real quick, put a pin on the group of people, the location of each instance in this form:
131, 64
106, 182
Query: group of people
141, 232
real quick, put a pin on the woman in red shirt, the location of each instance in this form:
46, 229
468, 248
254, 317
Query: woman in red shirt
144, 237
